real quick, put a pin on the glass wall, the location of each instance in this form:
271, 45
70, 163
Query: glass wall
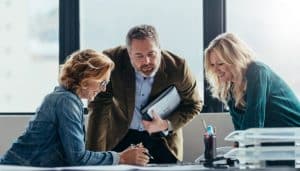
272, 29
104, 24
28, 53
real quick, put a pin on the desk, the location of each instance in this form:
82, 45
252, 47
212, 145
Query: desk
133, 168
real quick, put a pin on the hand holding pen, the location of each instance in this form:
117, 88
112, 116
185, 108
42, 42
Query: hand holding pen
142, 146
134, 155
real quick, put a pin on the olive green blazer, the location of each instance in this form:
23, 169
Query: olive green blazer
111, 112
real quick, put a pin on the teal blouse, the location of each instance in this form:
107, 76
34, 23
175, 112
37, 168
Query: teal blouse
270, 102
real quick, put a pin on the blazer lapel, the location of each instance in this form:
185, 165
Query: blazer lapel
129, 76
160, 81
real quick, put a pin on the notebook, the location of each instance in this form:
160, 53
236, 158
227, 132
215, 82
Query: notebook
163, 105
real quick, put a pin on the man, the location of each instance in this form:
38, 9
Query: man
142, 71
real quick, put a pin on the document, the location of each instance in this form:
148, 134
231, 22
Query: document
163, 105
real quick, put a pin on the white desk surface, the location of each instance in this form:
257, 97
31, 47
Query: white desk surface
136, 168
100, 168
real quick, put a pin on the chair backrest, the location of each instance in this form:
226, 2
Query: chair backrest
193, 133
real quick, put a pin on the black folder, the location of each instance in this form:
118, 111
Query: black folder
163, 105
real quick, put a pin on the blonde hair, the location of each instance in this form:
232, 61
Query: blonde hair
234, 52
82, 66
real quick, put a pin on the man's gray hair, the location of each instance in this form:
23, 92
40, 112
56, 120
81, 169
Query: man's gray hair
141, 32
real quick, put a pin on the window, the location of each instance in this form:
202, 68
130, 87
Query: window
104, 24
271, 28
28, 53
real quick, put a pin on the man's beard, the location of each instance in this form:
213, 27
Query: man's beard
148, 70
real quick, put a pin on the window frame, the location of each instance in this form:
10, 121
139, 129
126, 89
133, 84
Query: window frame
69, 28
214, 23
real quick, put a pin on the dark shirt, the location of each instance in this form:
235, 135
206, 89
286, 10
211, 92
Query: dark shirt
270, 102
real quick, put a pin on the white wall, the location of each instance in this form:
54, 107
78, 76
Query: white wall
12, 126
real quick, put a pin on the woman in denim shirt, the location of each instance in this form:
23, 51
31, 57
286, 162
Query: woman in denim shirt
56, 134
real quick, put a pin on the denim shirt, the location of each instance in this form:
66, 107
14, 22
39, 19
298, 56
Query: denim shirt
55, 136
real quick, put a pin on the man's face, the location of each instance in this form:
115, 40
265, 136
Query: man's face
145, 56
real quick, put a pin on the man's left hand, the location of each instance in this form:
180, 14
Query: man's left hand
156, 125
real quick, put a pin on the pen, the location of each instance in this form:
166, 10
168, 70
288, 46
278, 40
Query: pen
149, 155
204, 123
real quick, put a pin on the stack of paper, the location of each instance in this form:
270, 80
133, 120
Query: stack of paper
258, 146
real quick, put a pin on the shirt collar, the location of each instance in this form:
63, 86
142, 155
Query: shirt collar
140, 76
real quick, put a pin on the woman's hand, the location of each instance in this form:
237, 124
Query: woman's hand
134, 155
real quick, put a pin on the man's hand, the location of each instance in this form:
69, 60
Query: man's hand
134, 155
156, 125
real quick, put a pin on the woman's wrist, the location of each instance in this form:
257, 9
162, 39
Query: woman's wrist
121, 159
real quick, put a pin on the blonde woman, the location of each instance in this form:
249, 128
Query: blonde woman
56, 134
256, 96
